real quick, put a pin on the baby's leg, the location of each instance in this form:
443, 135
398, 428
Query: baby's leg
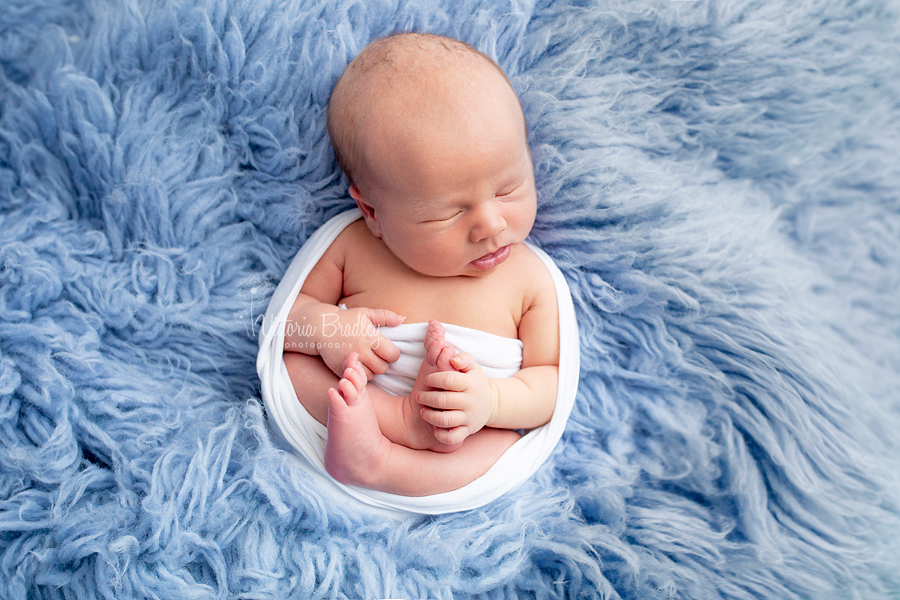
437, 358
357, 453
312, 379
423, 472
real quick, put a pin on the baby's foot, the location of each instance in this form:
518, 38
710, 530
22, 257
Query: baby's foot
438, 353
356, 450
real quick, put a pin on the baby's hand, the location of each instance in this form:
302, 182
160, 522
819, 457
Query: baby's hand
463, 402
356, 330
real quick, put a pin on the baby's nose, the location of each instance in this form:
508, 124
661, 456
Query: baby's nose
489, 223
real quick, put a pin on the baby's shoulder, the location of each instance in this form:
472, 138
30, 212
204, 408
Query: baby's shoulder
351, 240
532, 266
352, 233
535, 276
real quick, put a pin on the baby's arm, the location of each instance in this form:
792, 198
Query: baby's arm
322, 329
319, 336
314, 351
528, 398
357, 453
317, 327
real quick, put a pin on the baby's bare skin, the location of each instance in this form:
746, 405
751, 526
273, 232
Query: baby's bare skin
400, 418
371, 277
358, 453
438, 353
445, 183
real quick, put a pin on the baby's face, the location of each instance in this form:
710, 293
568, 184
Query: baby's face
454, 195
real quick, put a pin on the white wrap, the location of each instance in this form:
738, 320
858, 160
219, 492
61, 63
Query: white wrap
499, 357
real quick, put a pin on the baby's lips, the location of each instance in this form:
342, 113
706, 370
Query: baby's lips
489, 261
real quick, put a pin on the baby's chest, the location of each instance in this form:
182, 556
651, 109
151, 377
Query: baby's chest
477, 303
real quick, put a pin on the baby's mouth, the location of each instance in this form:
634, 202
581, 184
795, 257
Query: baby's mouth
489, 261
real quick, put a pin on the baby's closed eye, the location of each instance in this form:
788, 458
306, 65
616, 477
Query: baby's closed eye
444, 219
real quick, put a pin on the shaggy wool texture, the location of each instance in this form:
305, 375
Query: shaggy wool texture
718, 182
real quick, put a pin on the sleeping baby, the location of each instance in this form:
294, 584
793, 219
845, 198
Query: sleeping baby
432, 139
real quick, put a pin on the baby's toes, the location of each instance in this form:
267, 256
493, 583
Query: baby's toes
442, 361
349, 392
355, 374
438, 351
435, 328
434, 340
430, 336
336, 400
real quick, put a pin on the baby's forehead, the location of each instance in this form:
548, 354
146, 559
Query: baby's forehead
419, 99
410, 87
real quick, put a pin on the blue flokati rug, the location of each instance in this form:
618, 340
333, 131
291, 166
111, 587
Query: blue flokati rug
719, 182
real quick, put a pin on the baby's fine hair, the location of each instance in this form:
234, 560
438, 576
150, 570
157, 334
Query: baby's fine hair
380, 55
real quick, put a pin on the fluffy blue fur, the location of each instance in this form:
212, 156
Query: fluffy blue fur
718, 181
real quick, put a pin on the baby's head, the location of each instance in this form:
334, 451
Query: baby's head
430, 133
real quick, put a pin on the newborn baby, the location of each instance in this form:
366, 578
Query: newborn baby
432, 139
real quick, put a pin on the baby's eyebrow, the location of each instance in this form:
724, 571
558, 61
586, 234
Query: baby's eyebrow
513, 182
425, 209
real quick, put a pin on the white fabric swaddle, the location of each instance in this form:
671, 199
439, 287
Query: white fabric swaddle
498, 356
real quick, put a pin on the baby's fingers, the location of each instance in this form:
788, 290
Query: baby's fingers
442, 400
375, 361
381, 317
373, 364
463, 362
451, 437
444, 419
385, 349
452, 381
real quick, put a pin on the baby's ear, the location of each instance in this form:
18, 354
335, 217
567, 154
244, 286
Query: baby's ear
368, 211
